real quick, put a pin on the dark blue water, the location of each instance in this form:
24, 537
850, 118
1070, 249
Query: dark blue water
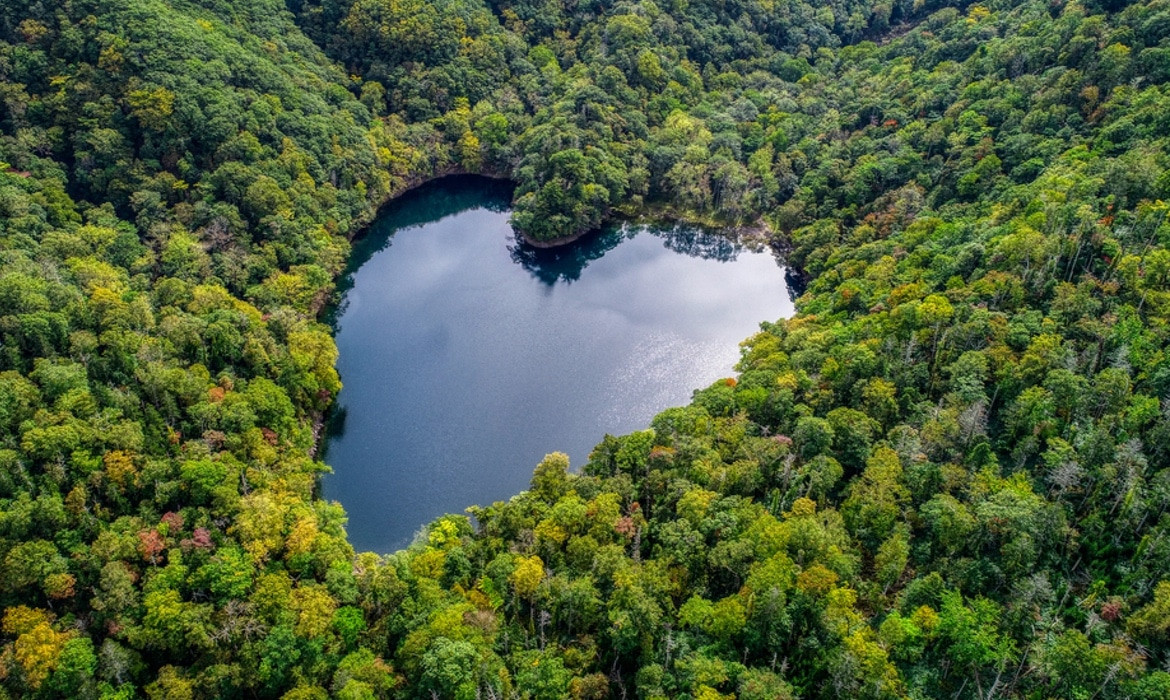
466, 357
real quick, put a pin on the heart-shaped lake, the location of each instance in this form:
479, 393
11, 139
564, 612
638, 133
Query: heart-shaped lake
466, 356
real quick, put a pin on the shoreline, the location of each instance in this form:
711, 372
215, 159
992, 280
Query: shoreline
758, 232
417, 182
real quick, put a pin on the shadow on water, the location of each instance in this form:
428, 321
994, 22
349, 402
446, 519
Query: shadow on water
334, 429
428, 203
566, 263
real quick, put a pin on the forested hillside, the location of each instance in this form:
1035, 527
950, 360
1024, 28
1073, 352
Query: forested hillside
947, 476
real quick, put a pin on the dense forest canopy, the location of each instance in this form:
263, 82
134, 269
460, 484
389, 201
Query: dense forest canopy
947, 476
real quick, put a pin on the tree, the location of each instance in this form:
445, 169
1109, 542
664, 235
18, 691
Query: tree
1152, 620
527, 575
876, 500
550, 478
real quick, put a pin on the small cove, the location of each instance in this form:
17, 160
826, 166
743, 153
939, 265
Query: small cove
467, 356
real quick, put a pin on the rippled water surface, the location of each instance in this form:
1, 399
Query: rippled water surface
467, 357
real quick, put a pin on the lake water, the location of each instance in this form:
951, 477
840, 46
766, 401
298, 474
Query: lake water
466, 357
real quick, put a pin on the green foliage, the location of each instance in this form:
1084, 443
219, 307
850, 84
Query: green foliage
944, 477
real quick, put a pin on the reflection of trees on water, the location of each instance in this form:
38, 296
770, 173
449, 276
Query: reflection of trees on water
698, 243
724, 247
566, 263
796, 282
437, 200
427, 204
